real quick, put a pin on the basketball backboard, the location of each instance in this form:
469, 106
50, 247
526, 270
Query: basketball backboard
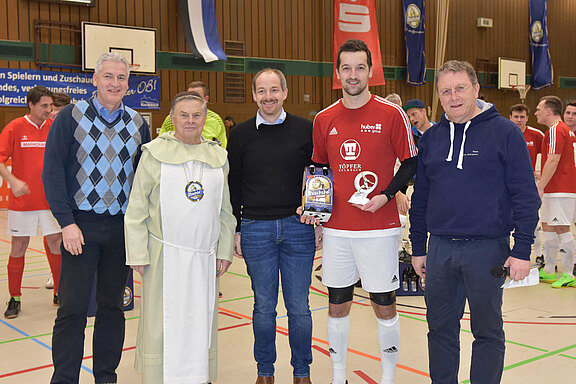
511, 73
138, 45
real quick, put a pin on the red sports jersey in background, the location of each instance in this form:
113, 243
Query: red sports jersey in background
559, 139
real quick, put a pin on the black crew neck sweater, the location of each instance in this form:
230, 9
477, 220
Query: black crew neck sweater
266, 167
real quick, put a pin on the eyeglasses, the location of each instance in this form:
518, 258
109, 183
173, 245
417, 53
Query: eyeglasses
458, 91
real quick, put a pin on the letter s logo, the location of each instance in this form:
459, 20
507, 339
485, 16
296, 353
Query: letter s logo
354, 18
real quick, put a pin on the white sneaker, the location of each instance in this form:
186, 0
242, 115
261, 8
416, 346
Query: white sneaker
49, 283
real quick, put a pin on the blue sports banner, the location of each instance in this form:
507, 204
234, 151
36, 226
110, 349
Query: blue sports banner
201, 29
143, 91
415, 39
542, 73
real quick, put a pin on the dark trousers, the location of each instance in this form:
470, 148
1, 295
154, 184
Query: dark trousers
458, 270
104, 253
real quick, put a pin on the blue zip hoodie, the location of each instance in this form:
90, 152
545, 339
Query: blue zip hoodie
474, 181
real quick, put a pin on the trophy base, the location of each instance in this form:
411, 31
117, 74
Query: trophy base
359, 199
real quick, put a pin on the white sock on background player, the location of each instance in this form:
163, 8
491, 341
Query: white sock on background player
551, 248
389, 340
338, 330
538, 240
567, 244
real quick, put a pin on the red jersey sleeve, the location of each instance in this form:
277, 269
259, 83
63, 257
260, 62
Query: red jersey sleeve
6, 143
401, 135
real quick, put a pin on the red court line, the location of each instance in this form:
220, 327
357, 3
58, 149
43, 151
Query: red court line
365, 377
31, 249
229, 314
321, 350
278, 329
30, 287
47, 366
233, 326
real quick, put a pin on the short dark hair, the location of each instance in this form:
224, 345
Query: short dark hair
229, 118
571, 104
200, 84
61, 99
554, 103
354, 45
35, 94
519, 108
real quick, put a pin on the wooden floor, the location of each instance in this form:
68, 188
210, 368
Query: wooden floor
540, 325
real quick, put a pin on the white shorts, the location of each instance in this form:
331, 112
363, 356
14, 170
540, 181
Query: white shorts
25, 223
558, 210
373, 259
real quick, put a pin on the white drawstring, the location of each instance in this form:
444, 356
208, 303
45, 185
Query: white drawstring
450, 153
461, 155
449, 158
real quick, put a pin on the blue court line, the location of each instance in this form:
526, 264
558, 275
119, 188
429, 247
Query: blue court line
38, 341
25, 277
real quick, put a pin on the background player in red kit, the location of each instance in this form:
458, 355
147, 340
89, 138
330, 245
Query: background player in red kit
557, 187
533, 137
360, 136
23, 140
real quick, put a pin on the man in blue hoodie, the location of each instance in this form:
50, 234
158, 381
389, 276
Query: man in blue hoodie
474, 185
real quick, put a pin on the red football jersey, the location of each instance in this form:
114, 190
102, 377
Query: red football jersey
559, 139
24, 142
533, 139
367, 139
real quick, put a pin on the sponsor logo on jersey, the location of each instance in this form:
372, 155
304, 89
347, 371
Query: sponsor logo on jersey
392, 349
334, 131
367, 128
350, 149
24, 137
350, 167
33, 144
530, 143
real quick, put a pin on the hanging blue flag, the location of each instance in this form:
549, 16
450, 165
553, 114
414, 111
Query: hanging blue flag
201, 29
415, 38
542, 73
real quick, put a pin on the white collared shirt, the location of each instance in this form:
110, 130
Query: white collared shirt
279, 120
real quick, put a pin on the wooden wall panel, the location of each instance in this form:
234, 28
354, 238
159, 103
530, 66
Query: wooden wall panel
303, 30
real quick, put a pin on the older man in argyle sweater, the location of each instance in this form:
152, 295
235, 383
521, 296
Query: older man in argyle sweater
90, 158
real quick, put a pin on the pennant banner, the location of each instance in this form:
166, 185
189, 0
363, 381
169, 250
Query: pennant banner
356, 19
201, 29
542, 73
414, 33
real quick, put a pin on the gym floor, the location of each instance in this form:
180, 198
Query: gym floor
540, 325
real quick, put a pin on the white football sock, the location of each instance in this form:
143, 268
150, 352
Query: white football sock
551, 248
338, 330
567, 244
538, 240
389, 340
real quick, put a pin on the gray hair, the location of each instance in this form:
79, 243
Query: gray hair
457, 66
112, 56
188, 96
273, 70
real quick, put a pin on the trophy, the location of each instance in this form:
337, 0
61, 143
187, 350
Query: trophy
318, 192
365, 182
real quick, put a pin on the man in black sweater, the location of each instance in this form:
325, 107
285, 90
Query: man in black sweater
267, 156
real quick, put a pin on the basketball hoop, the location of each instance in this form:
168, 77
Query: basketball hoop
133, 67
522, 91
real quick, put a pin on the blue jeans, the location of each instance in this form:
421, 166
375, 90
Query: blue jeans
103, 252
456, 270
282, 247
